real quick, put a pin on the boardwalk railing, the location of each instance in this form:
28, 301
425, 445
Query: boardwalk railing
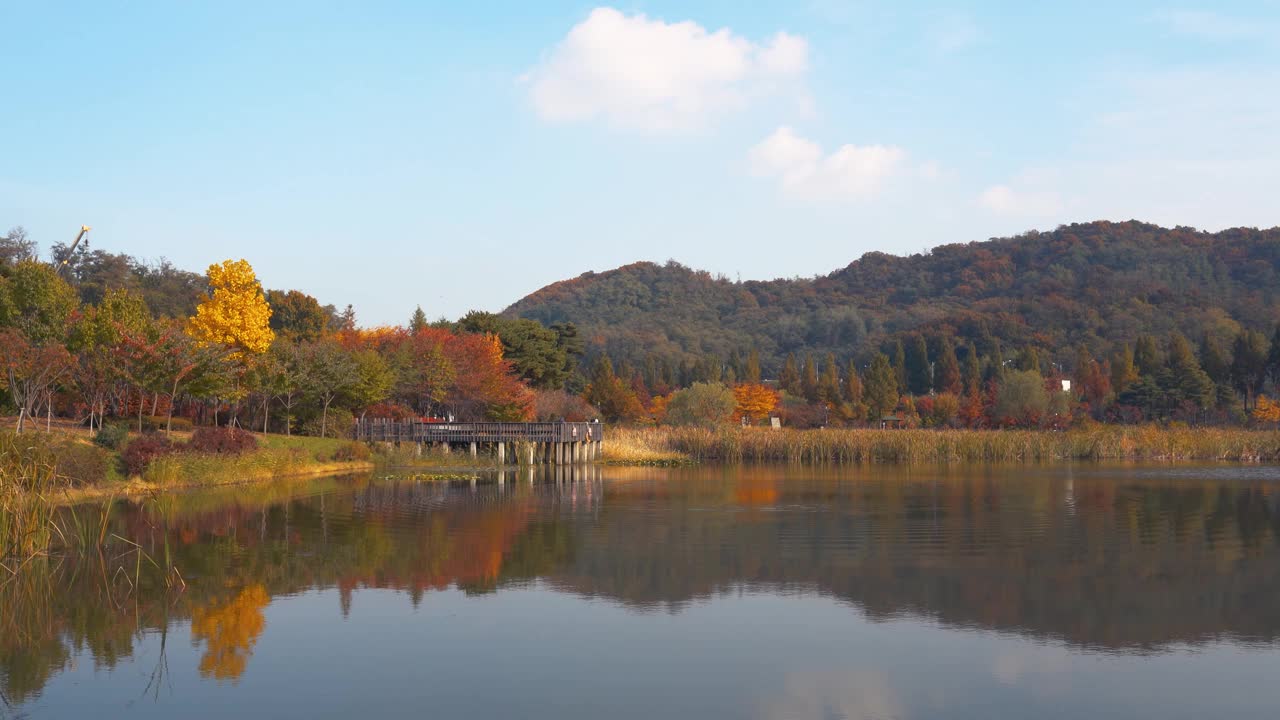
415, 431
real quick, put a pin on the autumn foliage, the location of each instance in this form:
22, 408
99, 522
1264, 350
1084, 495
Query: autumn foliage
234, 313
755, 401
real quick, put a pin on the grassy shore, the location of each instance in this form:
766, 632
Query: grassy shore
68, 467
830, 446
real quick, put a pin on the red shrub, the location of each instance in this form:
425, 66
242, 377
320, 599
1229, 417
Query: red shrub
142, 450
223, 440
392, 411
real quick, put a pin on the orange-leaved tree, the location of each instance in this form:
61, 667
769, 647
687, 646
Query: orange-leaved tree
755, 401
485, 384
1266, 410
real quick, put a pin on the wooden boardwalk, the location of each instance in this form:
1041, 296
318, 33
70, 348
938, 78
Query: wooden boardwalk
526, 443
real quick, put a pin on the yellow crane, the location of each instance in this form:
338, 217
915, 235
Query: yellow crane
84, 230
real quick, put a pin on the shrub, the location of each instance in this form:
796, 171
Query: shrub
705, 404
223, 441
351, 452
341, 424
111, 437
559, 405
143, 449
80, 464
156, 423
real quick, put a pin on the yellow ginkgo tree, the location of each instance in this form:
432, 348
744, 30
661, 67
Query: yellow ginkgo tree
234, 313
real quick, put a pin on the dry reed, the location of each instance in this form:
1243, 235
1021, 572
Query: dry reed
830, 446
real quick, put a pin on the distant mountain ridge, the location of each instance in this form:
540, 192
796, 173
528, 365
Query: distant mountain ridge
1097, 284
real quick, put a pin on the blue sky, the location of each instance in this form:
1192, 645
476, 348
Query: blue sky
461, 155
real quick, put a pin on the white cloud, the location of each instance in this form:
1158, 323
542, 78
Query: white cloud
1209, 25
803, 170
952, 33
1004, 200
646, 74
854, 694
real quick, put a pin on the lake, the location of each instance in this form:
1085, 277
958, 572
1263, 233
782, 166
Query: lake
1060, 591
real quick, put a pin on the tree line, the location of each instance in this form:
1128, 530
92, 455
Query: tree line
87, 344
269, 360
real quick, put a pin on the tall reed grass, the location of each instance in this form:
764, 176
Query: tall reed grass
28, 476
829, 446
34, 473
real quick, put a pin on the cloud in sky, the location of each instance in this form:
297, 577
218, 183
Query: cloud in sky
952, 32
1005, 200
803, 170
647, 74
1208, 25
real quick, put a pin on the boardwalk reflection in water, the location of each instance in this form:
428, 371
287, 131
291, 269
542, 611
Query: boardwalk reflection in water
719, 592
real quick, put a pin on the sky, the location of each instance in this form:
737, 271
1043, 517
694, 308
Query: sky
459, 156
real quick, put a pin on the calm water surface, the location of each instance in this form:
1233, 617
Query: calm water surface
1060, 592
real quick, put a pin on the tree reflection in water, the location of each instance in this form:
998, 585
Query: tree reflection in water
1106, 559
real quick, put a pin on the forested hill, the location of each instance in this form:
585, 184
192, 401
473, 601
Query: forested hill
1097, 284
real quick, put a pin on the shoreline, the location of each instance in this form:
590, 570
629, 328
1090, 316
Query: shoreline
865, 446
136, 486
674, 447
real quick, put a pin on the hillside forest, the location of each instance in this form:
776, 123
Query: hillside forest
1100, 322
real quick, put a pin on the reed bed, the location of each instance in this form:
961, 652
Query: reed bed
28, 476
625, 446
195, 469
829, 446
36, 473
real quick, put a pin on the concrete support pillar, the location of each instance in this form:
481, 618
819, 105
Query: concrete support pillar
444, 448
502, 453
529, 454
473, 449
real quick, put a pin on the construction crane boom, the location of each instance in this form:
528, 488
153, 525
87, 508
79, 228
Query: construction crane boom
84, 230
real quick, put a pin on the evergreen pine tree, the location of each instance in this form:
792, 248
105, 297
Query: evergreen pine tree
946, 371
1213, 361
418, 321
1249, 364
880, 388
1146, 356
898, 361
1188, 382
919, 379
789, 379
809, 380
1123, 372
751, 372
852, 385
829, 386
971, 369
1273, 357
